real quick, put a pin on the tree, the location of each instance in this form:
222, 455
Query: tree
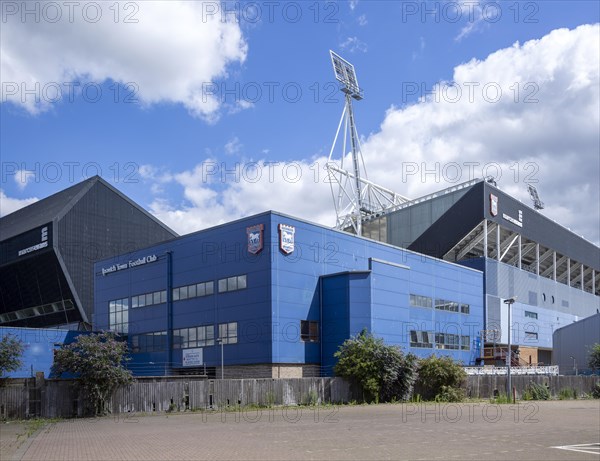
11, 351
594, 360
98, 360
441, 379
382, 371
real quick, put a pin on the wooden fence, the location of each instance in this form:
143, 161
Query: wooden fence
26, 398
61, 398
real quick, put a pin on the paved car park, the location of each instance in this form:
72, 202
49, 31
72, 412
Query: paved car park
556, 430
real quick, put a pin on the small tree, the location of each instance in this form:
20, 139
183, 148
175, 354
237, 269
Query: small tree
98, 359
383, 372
11, 352
594, 360
440, 378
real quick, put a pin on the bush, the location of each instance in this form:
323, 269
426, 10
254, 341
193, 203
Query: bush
98, 361
594, 360
383, 372
536, 391
567, 393
11, 351
596, 391
441, 379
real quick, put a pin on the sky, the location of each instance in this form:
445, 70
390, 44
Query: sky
205, 112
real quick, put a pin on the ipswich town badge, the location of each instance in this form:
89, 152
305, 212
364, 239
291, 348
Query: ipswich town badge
286, 238
255, 238
493, 205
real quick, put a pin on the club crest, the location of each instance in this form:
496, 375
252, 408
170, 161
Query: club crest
493, 205
255, 238
286, 238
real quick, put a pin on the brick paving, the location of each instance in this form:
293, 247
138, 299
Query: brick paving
528, 431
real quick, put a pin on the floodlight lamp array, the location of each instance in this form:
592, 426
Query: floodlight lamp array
346, 75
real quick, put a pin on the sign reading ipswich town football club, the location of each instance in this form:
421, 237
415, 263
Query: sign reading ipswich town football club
255, 238
286, 238
493, 205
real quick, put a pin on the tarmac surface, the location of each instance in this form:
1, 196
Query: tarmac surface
555, 430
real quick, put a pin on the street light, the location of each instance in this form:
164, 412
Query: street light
574, 365
222, 341
509, 302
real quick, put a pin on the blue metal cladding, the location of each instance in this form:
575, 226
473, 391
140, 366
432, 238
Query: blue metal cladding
372, 290
384, 295
40, 344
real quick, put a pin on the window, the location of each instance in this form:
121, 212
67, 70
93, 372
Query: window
421, 339
465, 343
465, 308
232, 284
420, 301
149, 342
309, 331
202, 336
447, 341
531, 336
118, 315
444, 305
149, 299
531, 315
228, 332
193, 291
45, 309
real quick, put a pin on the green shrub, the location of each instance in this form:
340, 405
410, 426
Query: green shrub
536, 391
596, 391
441, 379
567, 393
382, 371
450, 394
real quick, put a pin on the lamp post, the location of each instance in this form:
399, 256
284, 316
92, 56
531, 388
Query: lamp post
221, 340
509, 302
574, 365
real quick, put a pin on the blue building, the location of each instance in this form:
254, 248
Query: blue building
274, 296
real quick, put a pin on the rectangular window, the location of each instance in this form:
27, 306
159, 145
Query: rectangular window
183, 292
118, 319
194, 290
444, 305
149, 299
531, 315
447, 341
232, 284
465, 343
420, 301
185, 338
421, 339
531, 336
228, 332
465, 309
149, 342
309, 331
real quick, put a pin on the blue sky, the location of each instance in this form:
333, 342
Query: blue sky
188, 94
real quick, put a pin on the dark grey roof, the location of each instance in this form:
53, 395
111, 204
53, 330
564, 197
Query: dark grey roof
55, 206
42, 211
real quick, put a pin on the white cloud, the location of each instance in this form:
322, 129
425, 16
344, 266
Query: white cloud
554, 141
23, 177
353, 44
9, 205
353, 4
171, 54
233, 146
362, 20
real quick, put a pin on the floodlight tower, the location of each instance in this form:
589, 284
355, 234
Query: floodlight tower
357, 198
533, 193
